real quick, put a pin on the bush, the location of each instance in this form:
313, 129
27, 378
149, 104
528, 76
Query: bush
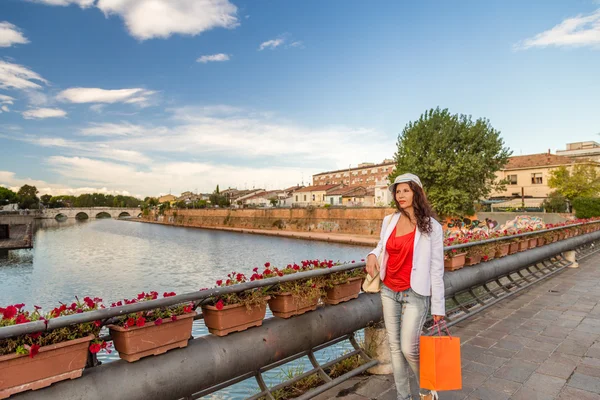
555, 203
586, 207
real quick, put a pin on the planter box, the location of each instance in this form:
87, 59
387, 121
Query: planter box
533, 243
344, 292
473, 260
502, 251
148, 340
523, 245
54, 363
283, 305
232, 318
513, 247
455, 262
541, 242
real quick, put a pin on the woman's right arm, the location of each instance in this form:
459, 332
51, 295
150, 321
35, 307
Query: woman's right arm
373, 256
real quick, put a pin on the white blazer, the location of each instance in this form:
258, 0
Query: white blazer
427, 275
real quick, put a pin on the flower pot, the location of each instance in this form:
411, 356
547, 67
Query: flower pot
455, 262
344, 291
233, 318
523, 245
541, 242
513, 247
533, 243
53, 363
148, 340
473, 260
283, 305
502, 251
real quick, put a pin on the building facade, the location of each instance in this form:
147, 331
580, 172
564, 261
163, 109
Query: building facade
366, 174
582, 151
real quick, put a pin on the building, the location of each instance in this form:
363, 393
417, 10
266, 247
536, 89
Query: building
582, 151
168, 198
527, 178
262, 199
312, 195
350, 196
366, 174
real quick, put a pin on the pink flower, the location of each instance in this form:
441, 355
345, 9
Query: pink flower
34, 349
173, 318
158, 322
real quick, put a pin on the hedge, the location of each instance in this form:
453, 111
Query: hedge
586, 207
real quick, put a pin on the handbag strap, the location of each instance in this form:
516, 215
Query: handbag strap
437, 324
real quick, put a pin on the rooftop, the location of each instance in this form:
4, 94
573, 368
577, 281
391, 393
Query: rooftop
317, 188
537, 160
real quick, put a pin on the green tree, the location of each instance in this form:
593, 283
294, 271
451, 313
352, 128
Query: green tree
555, 203
582, 181
455, 157
274, 201
45, 199
27, 196
7, 196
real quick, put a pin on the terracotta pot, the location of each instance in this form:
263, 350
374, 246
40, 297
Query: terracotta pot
523, 245
533, 243
233, 318
148, 340
503, 250
54, 363
455, 262
283, 305
541, 242
344, 292
473, 260
513, 247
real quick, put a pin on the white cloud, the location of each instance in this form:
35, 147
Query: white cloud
40, 113
297, 43
213, 58
271, 44
80, 3
5, 101
80, 95
15, 76
122, 129
10, 34
162, 18
582, 30
5, 108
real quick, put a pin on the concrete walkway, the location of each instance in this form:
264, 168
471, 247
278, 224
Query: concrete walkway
541, 344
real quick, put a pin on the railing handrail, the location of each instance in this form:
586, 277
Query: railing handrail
106, 313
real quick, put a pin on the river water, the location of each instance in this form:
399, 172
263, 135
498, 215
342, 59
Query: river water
116, 259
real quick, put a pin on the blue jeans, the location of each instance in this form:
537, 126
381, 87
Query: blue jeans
404, 314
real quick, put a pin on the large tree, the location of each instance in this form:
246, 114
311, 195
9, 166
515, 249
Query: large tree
7, 196
28, 197
582, 181
455, 157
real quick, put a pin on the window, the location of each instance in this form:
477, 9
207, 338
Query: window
512, 179
536, 178
323, 198
313, 197
296, 197
340, 200
304, 197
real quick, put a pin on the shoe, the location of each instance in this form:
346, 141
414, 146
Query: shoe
430, 396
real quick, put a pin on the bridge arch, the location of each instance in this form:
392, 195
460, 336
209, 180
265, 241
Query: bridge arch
82, 215
102, 215
124, 214
60, 217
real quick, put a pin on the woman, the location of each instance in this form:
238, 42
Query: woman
410, 261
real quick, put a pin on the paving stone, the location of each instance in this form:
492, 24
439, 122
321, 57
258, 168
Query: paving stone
567, 323
374, 387
593, 352
510, 343
472, 379
477, 367
502, 353
584, 382
482, 342
492, 334
526, 393
496, 389
588, 370
516, 370
594, 362
548, 315
525, 333
593, 329
586, 339
536, 356
545, 383
556, 332
570, 393
572, 347
538, 343
559, 370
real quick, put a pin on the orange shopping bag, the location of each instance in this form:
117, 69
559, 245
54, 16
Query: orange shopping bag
440, 362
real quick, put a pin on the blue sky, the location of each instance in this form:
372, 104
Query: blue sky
146, 97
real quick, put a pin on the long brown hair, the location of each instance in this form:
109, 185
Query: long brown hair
423, 211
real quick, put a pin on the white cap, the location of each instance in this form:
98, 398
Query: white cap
405, 178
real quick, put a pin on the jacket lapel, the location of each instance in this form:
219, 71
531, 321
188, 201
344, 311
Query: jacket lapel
391, 226
417, 237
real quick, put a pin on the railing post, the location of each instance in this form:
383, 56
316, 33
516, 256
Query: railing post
377, 347
571, 256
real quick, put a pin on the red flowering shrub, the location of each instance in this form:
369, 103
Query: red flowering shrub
250, 298
155, 316
30, 344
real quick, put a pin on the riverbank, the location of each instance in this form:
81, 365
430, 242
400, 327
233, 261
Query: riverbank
342, 238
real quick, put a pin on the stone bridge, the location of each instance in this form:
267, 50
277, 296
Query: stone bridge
89, 212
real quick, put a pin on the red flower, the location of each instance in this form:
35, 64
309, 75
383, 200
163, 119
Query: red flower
21, 319
267, 265
219, 282
141, 295
35, 335
9, 312
187, 309
141, 321
173, 318
98, 323
20, 305
255, 270
33, 350
95, 348
130, 321
158, 322
37, 307
219, 305
239, 277
170, 294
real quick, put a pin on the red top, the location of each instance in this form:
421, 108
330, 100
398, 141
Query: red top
399, 265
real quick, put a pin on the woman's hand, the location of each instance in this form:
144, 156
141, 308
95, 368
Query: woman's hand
438, 318
372, 265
